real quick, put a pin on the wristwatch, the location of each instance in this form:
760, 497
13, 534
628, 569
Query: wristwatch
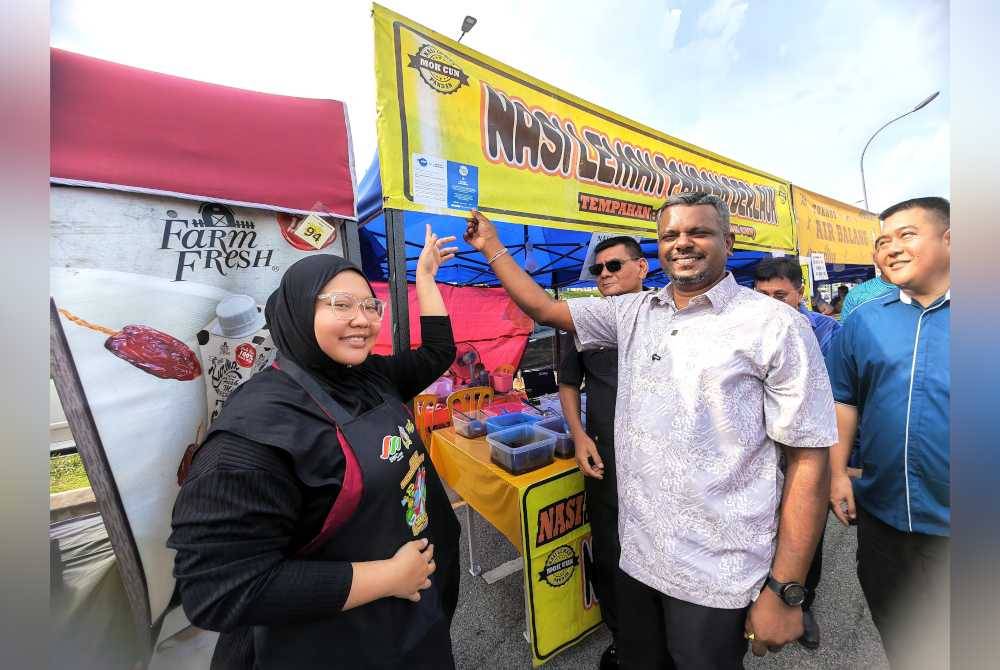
792, 594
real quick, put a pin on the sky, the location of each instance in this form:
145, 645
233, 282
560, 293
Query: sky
795, 89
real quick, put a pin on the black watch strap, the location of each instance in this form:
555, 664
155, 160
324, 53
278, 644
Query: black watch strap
782, 588
774, 584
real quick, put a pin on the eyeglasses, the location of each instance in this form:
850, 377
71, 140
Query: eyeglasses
344, 306
613, 266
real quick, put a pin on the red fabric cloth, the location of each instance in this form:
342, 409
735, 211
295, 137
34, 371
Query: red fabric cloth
485, 317
120, 127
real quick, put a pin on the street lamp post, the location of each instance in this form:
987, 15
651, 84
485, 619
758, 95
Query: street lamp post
467, 26
924, 103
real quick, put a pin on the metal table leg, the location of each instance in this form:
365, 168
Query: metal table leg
474, 568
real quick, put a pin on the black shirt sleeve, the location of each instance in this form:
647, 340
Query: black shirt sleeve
410, 372
233, 524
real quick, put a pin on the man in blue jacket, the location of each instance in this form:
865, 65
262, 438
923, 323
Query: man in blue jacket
781, 279
890, 366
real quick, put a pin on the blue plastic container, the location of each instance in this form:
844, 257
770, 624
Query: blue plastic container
522, 448
504, 421
564, 440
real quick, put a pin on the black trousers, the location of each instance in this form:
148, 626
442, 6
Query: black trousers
602, 508
658, 632
905, 579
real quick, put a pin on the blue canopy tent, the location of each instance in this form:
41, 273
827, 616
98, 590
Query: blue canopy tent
553, 256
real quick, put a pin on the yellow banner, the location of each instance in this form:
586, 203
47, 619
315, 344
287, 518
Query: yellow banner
562, 604
842, 233
458, 130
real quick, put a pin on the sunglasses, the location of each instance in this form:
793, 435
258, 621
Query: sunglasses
612, 266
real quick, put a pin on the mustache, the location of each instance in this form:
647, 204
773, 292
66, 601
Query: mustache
681, 255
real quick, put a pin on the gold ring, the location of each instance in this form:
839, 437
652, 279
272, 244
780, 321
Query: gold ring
749, 636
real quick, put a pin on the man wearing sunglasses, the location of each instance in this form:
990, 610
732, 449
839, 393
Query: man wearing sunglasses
716, 384
619, 268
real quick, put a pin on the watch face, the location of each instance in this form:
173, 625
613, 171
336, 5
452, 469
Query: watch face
793, 594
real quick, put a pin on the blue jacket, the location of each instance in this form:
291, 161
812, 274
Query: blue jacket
891, 360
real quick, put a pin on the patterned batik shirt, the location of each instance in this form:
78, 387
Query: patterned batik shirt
705, 394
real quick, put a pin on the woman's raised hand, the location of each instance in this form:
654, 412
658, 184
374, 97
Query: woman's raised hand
413, 565
434, 254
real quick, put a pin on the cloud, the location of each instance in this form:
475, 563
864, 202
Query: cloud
807, 115
795, 89
723, 18
712, 53
671, 22
909, 168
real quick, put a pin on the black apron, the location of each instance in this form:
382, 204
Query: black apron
401, 499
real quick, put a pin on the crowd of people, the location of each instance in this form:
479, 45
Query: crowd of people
314, 532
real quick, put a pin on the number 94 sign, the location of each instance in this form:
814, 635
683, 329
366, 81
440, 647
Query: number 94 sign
314, 231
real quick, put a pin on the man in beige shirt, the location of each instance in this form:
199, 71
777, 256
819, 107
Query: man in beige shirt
716, 385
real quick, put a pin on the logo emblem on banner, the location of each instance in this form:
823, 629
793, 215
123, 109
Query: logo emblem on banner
561, 518
559, 566
217, 241
246, 354
438, 70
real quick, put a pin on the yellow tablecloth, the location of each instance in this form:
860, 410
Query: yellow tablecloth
492, 491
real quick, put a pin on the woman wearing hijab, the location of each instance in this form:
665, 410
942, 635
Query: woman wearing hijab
312, 529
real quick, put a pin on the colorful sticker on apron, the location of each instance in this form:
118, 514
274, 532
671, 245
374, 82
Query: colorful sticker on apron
392, 448
407, 440
415, 501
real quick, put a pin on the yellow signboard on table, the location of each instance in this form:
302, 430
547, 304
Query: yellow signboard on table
842, 233
543, 514
562, 606
460, 131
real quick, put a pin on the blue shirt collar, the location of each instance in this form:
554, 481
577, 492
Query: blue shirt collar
904, 298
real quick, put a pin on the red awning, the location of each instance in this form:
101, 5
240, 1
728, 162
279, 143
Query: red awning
120, 127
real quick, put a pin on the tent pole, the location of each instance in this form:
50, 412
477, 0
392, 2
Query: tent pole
395, 237
555, 336
352, 241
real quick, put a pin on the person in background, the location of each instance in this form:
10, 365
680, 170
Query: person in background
876, 287
838, 300
781, 279
821, 306
890, 367
312, 529
715, 539
619, 267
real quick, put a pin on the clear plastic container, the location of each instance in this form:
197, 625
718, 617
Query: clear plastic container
564, 441
469, 424
522, 448
509, 420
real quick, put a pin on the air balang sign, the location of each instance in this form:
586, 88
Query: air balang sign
216, 242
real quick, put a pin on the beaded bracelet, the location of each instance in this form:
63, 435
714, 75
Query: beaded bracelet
496, 256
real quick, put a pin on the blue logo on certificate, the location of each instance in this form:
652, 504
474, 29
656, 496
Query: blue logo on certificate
463, 186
